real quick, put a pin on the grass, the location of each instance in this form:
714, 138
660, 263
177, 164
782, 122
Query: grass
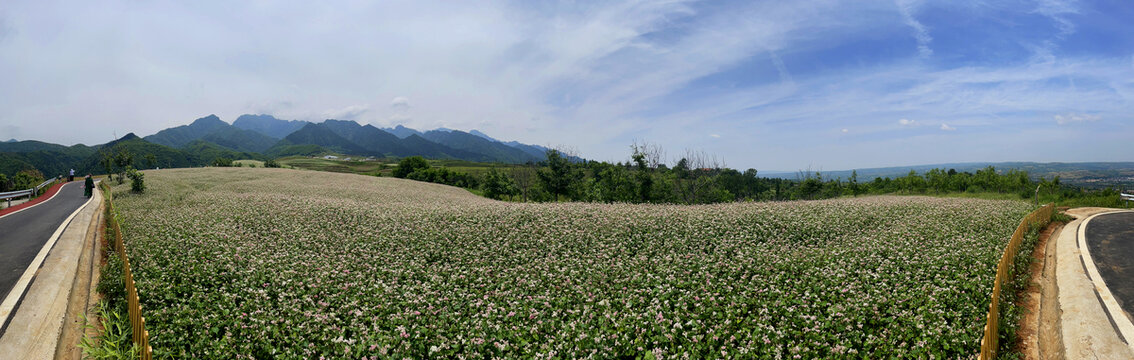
256, 263
385, 166
249, 163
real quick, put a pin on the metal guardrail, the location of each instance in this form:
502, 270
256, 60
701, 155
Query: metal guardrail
990, 343
26, 192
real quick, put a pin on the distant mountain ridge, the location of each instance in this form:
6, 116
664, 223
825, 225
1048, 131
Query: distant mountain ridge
262, 137
1090, 174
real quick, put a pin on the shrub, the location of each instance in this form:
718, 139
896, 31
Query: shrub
27, 179
271, 164
497, 185
137, 180
409, 165
222, 162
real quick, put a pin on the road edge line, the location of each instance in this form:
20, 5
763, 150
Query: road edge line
36, 204
1117, 315
13, 297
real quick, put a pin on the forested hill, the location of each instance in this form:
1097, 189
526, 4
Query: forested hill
207, 139
1087, 174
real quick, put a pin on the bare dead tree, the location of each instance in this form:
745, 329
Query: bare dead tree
525, 178
653, 153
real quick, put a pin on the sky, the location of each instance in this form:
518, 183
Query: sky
771, 85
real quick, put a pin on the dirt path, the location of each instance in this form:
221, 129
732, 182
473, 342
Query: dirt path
1039, 300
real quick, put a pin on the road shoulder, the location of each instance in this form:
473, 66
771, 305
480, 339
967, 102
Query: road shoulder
1087, 331
38, 321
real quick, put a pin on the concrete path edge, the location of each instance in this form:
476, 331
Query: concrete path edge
1086, 329
38, 321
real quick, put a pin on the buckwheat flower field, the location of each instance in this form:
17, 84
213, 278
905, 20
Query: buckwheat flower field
273, 263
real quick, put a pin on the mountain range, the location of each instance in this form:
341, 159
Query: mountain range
262, 137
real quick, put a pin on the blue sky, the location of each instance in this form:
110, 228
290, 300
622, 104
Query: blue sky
771, 85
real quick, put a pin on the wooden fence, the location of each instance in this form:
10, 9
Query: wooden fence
141, 337
991, 341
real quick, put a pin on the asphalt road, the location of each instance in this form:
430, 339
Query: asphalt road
1110, 238
23, 234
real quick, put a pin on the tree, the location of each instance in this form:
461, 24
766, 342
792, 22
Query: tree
26, 179
497, 185
271, 163
123, 159
222, 162
559, 176
409, 165
854, 186
137, 180
524, 177
151, 161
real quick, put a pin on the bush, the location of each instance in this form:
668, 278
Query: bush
137, 180
26, 179
409, 165
497, 185
271, 164
222, 162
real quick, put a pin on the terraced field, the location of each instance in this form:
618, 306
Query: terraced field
255, 263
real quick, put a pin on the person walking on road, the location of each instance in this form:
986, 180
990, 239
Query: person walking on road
71, 177
88, 186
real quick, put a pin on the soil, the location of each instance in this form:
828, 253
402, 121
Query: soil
1038, 336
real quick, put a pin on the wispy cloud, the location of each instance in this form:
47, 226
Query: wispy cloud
907, 8
1057, 11
1071, 118
764, 74
946, 127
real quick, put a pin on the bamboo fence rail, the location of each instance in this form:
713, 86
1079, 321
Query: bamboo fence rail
141, 337
991, 341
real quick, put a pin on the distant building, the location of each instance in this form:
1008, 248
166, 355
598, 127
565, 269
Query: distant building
331, 157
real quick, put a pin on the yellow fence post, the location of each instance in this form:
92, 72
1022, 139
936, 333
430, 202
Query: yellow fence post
140, 336
990, 343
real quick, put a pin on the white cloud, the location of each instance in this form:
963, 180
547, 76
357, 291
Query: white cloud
946, 127
1057, 11
907, 8
845, 130
400, 102
907, 122
1069, 118
715, 135
352, 112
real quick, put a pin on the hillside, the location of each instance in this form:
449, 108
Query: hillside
315, 134
268, 125
377, 251
182, 135
1087, 174
490, 150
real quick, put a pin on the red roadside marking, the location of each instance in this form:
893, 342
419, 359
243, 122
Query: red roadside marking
50, 193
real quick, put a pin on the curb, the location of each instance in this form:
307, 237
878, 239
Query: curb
35, 325
1114, 312
1085, 327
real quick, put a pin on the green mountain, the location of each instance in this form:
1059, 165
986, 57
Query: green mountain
205, 152
316, 134
268, 125
182, 135
490, 151
165, 156
241, 140
50, 159
368, 137
401, 132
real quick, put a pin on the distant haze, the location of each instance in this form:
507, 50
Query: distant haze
780, 85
